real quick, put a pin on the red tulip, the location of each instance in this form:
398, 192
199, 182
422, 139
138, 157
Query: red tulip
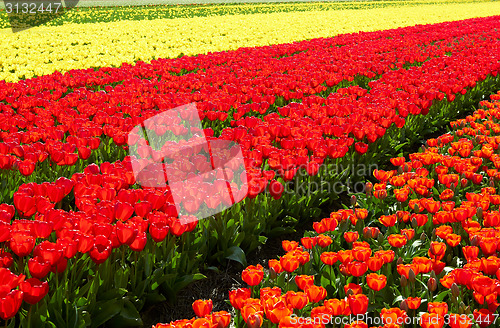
358, 304
10, 302
34, 290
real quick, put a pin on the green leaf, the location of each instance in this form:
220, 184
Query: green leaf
127, 317
236, 254
440, 297
105, 311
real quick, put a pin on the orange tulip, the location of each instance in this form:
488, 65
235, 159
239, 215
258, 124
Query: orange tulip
297, 300
268, 292
253, 275
387, 256
238, 296
255, 320
324, 241
308, 242
202, 307
431, 320
440, 308
437, 250
329, 258
459, 321
345, 256
315, 293
357, 324
375, 281
408, 233
289, 245
201, 323
251, 308
394, 316
289, 262
413, 302
357, 269
289, 322
423, 264
303, 281
388, 220
361, 253
277, 311
355, 288
275, 265
396, 240
374, 263
336, 306
351, 236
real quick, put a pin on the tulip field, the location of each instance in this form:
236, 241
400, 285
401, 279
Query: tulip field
376, 125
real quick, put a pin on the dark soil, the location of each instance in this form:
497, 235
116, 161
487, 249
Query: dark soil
217, 285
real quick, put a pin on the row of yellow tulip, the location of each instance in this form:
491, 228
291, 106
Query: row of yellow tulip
150, 12
43, 50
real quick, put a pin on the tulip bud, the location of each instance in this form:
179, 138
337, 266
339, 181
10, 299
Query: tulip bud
422, 148
423, 237
411, 276
454, 290
479, 212
349, 292
464, 182
399, 261
417, 209
368, 187
414, 223
466, 308
433, 274
403, 281
475, 241
380, 238
432, 284
400, 170
404, 305
353, 200
492, 182
367, 233
434, 234
449, 258
272, 273
375, 232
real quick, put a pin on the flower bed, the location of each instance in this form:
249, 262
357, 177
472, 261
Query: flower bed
75, 218
422, 250
46, 49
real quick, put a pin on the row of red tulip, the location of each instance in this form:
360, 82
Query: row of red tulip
61, 118
442, 195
